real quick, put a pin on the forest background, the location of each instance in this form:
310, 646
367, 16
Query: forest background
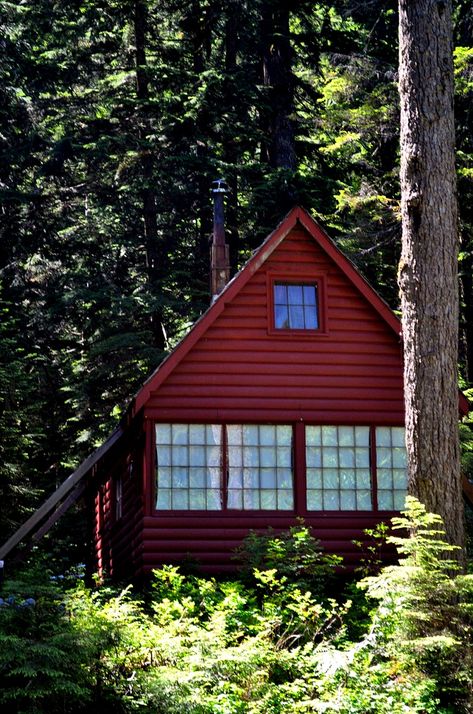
115, 117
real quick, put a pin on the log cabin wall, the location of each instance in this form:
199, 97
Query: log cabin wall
119, 516
242, 370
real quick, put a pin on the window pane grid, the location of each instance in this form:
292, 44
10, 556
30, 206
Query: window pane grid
188, 463
260, 467
391, 467
338, 468
295, 307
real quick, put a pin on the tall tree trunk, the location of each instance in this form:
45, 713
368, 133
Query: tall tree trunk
198, 29
231, 149
428, 269
279, 150
155, 254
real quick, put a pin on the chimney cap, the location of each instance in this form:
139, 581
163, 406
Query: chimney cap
219, 186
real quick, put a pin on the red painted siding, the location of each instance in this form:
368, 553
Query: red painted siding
234, 366
118, 539
237, 371
210, 541
242, 370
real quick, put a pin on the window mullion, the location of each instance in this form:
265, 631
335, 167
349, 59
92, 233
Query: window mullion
373, 466
224, 468
299, 468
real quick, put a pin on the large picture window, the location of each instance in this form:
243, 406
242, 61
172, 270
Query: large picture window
391, 467
260, 467
338, 468
211, 467
252, 467
188, 464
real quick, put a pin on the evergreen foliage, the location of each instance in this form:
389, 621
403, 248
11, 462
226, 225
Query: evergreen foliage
211, 646
114, 120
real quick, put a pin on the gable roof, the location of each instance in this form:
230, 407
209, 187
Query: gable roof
261, 254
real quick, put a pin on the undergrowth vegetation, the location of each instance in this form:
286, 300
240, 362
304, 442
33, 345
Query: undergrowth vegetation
277, 641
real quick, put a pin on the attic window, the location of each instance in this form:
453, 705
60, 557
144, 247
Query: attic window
295, 306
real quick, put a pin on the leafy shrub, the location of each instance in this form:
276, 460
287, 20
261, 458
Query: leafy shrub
66, 649
204, 646
294, 553
40, 664
417, 656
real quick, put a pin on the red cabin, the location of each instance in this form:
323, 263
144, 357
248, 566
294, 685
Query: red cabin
285, 400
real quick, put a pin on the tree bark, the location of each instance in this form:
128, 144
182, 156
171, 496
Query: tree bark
279, 150
155, 255
231, 149
197, 30
428, 277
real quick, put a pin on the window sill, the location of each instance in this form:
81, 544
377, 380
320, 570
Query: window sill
290, 333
